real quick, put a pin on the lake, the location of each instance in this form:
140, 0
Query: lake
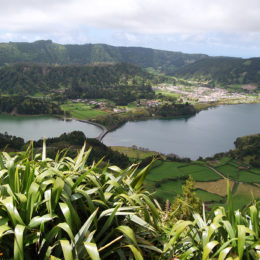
205, 134
37, 127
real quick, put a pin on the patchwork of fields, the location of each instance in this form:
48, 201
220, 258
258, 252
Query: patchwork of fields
166, 180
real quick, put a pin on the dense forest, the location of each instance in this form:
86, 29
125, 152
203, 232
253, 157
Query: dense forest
248, 146
53, 53
121, 83
27, 105
223, 71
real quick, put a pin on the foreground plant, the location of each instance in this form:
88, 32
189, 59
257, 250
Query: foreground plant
66, 209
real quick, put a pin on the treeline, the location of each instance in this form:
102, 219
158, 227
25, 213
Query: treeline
71, 142
122, 83
27, 105
112, 121
172, 110
248, 146
223, 71
53, 53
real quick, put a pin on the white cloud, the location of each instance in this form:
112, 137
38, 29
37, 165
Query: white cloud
142, 16
154, 23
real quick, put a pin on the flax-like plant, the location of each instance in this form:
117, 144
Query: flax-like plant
67, 209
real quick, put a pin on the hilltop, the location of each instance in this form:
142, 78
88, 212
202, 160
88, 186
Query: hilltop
234, 73
231, 72
53, 53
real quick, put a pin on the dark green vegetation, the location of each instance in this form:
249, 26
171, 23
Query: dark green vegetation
168, 110
27, 105
248, 148
240, 165
225, 72
167, 178
53, 53
72, 142
228, 72
122, 83
70, 209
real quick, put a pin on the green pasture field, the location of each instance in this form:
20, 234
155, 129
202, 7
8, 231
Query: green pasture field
207, 196
249, 177
200, 173
229, 171
165, 171
232, 172
81, 110
255, 170
168, 93
169, 189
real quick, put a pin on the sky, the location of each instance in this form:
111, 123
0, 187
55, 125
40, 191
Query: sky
214, 27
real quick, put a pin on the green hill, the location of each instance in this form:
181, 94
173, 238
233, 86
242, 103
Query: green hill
53, 53
223, 71
77, 81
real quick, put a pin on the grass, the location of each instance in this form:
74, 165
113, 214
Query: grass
249, 177
229, 171
208, 197
169, 190
165, 171
133, 153
200, 173
244, 194
167, 93
218, 187
81, 110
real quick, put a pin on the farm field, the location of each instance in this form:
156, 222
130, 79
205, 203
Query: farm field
132, 152
234, 173
166, 171
219, 187
208, 196
166, 180
81, 110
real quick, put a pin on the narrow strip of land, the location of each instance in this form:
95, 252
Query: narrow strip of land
104, 129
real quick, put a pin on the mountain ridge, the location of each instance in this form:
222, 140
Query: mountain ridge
50, 52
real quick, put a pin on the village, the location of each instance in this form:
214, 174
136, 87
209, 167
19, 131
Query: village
194, 94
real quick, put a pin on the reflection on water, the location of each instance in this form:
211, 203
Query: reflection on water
37, 127
209, 132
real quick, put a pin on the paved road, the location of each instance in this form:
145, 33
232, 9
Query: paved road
104, 129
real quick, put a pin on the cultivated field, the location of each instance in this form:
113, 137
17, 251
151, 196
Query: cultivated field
81, 110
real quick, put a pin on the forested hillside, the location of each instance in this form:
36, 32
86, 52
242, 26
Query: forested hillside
77, 81
53, 53
223, 71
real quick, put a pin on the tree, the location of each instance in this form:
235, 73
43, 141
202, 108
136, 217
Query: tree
184, 205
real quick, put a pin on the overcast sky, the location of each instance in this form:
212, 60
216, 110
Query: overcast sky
214, 27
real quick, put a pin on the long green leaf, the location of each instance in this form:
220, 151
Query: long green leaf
18, 242
208, 248
67, 249
224, 253
108, 222
137, 253
127, 231
92, 250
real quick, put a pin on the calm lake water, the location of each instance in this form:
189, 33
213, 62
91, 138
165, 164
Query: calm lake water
205, 134
37, 127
